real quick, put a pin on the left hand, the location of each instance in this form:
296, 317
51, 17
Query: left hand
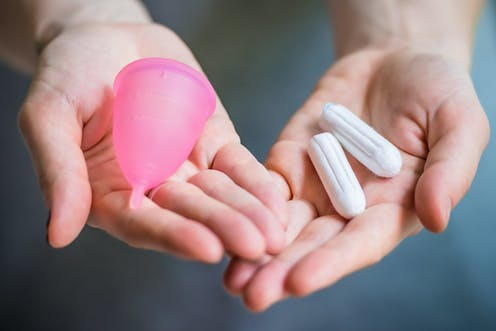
425, 105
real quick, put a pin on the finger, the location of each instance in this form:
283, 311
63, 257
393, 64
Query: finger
220, 187
238, 234
50, 126
267, 286
301, 177
155, 228
458, 135
240, 271
363, 242
243, 168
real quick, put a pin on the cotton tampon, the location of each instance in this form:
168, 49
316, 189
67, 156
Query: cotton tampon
336, 175
362, 141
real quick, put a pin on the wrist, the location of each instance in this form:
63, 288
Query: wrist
52, 17
459, 51
439, 27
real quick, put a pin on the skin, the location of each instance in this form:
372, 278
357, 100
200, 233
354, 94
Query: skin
403, 68
220, 200
419, 97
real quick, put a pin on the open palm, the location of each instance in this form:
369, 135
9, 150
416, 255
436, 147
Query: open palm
422, 103
221, 198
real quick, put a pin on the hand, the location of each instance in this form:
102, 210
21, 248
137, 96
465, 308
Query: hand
426, 106
220, 198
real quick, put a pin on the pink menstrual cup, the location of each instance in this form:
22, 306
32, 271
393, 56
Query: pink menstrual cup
160, 109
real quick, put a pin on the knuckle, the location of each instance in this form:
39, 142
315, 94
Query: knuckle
486, 129
209, 180
231, 154
42, 108
45, 183
416, 229
223, 215
161, 192
28, 118
235, 169
375, 257
167, 188
165, 243
302, 285
206, 175
131, 238
23, 120
164, 31
133, 243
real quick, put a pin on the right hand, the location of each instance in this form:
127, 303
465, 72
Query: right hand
220, 198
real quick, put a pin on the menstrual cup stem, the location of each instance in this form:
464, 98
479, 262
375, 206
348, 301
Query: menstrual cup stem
136, 196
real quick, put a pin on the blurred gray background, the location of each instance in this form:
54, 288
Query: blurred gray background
263, 57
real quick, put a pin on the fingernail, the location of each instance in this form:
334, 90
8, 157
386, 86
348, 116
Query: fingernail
47, 224
152, 192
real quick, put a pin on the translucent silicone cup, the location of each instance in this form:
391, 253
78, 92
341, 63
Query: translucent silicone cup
160, 109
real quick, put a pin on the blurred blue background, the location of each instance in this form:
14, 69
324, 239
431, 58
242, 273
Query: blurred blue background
263, 57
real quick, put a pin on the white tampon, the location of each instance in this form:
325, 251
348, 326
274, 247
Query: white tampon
336, 175
360, 140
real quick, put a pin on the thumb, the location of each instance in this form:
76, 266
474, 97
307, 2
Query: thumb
458, 134
50, 126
